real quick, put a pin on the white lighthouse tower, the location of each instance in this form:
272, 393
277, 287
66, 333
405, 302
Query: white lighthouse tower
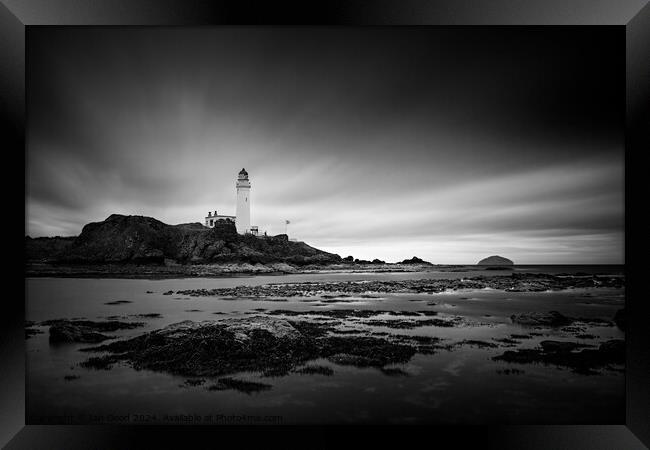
243, 214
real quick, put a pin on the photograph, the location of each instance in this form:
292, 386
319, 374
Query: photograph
325, 225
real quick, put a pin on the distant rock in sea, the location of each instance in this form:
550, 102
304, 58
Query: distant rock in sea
495, 261
415, 260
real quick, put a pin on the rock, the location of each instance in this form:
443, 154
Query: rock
85, 331
416, 260
67, 333
46, 248
549, 319
514, 283
144, 240
271, 345
495, 260
479, 344
559, 346
561, 354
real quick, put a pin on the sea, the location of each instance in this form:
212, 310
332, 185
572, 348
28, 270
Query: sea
459, 386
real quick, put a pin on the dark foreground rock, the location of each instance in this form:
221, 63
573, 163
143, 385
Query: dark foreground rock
564, 354
85, 331
270, 345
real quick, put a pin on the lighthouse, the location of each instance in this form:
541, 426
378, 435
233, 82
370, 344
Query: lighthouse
243, 213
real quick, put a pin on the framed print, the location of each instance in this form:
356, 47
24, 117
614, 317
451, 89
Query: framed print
373, 218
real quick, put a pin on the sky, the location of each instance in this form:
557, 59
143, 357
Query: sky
446, 143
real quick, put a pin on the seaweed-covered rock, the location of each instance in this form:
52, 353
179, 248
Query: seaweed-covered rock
525, 282
271, 345
563, 354
549, 319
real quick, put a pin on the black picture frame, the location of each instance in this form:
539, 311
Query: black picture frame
632, 15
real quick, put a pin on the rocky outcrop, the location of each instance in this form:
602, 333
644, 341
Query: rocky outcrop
415, 260
144, 240
495, 260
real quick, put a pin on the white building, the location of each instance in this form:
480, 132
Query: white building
210, 219
242, 218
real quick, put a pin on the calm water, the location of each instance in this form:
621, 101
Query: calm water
459, 386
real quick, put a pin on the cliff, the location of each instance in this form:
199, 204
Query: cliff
145, 240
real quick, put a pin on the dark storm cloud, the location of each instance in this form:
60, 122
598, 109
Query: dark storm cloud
372, 141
